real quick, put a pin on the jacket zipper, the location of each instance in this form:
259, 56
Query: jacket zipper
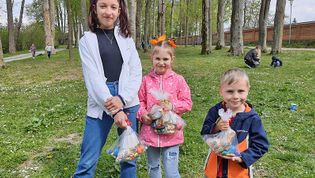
161, 88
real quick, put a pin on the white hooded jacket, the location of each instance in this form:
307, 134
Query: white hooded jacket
95, 80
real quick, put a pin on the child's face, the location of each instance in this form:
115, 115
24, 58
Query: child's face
162, 61
235, 94
107, 13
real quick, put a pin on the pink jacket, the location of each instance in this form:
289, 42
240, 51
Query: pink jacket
179, 91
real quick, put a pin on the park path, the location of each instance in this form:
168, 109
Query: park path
26, 56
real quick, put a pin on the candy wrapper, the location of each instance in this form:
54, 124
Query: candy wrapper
223, 143
165, 121
127, 147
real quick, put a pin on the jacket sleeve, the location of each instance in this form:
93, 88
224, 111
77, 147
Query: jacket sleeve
209, 122
258, 143
131, 89
143, 102
183, 102
95, 85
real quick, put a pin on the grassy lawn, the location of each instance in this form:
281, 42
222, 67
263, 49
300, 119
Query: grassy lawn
43, 105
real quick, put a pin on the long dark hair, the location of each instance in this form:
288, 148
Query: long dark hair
123, 18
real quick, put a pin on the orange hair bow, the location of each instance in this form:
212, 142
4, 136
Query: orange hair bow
158, 40
171, 43
162, 38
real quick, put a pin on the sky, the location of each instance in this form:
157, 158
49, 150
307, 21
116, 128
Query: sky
302, 10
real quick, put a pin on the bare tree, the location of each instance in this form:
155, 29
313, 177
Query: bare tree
236, 28
138, 23
19, 24
2, 65
148, 5
263, 17
278, 27
84, 15
12, 45
70, 29
220, 25
204, 28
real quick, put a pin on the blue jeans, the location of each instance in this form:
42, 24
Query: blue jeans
94, 138
170, 157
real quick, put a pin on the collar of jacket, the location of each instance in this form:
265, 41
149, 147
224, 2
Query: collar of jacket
169, 73
241, 115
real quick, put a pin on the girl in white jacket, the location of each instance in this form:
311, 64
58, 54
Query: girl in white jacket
112, 74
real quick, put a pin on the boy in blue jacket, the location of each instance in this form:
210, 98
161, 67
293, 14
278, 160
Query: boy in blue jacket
250, 133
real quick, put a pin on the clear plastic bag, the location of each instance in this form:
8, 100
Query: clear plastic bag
225, 142
127, 147
165, 121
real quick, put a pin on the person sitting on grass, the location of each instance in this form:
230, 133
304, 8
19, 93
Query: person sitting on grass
276, 62
252, 58
252, 142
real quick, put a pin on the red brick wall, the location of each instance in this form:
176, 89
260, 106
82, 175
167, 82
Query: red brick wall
299, 32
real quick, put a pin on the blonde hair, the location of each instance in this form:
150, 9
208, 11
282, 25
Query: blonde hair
258, 49
234, 75
165, 45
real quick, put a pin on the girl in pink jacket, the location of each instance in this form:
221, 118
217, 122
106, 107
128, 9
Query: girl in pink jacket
162, 78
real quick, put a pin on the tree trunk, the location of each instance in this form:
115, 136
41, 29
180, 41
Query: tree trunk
204, 28
47, 23
263, 17
171, 18
236, 28
278, 27
19, 24
220, 25
52, 12
138, 24
154, 21
69, 13
2, 65
146, 24
210, 26
186, 22
12, 46
132, 17
75, 27
58, 17
84, 15
161, 18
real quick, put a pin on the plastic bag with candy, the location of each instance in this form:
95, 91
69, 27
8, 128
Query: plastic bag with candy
127, 147
225, 142
165, 121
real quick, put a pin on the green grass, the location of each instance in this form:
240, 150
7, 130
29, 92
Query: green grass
43, 104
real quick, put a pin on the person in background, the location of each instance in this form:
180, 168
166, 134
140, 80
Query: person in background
275, 62
33, 50
48, 49
252, 58
112, 73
